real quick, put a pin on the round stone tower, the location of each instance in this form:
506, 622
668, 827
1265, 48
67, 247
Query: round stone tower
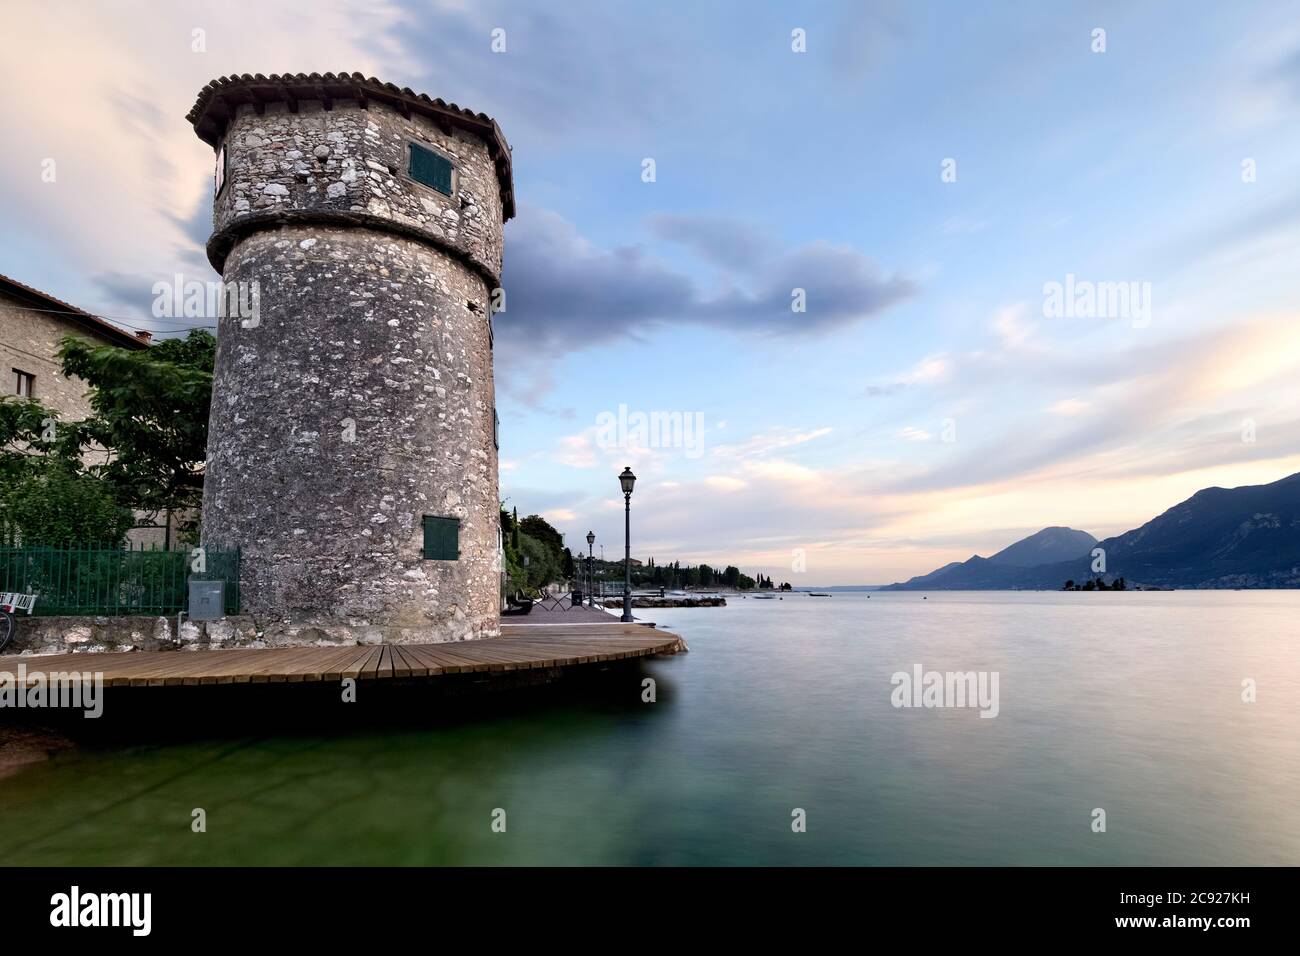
352, 445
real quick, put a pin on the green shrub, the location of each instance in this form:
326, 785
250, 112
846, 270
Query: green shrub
52, 506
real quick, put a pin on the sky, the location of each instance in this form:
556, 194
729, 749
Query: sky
848, 248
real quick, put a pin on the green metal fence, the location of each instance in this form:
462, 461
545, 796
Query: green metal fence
113, 581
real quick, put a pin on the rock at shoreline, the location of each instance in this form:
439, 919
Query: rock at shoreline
21, 747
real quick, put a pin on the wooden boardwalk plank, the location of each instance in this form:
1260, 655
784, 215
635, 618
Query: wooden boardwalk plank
519, 648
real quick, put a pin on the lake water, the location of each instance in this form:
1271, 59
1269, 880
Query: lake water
1128, 702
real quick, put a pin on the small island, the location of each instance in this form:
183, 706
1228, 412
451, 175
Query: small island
1096, 584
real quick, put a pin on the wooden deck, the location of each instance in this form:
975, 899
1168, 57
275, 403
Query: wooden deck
521, 647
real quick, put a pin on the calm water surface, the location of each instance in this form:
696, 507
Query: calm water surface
1129, 702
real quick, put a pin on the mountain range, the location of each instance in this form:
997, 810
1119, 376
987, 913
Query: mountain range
1247, 537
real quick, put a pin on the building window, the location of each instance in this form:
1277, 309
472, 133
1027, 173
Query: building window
441, 538
496, 430
431, 169
24, 383
221, 169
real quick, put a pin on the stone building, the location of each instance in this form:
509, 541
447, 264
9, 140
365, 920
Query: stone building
352, 446
31, 325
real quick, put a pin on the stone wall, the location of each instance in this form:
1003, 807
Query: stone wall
360, 399
28, 341
71, 635
97, 635
352, 161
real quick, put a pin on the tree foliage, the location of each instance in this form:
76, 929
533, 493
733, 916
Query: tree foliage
534, 552
150, 410
53, 505
47, 497
141, 449
538, 527
29, 432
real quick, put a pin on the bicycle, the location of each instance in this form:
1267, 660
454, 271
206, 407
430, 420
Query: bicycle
9, 603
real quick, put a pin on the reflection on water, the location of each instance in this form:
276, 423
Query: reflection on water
1129, 702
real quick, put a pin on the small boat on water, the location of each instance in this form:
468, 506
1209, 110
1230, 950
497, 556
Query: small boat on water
818, 594
764, 597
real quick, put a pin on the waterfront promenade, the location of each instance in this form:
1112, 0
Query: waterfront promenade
560, 641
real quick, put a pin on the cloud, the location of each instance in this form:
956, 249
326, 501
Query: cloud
961, 226
1013, 327
721, 241
1162, 407
565, 291
933, 368
930, 370
562, 288
1239, 237
1069, 406
863, 35
1155, 423
1286, 71
784, 472
126, 160
587, 450
562, 65
767, 443
530, 499
576, 451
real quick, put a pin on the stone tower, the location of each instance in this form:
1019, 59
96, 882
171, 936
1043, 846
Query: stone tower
352, 445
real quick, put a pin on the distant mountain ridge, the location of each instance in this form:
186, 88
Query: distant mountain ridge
1247, 537
1046, 547
1049, 546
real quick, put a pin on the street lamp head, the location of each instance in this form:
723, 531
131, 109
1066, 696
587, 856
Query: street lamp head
591, 538
627, 480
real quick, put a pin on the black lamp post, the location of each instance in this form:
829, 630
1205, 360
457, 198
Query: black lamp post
591, 583
627, 480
